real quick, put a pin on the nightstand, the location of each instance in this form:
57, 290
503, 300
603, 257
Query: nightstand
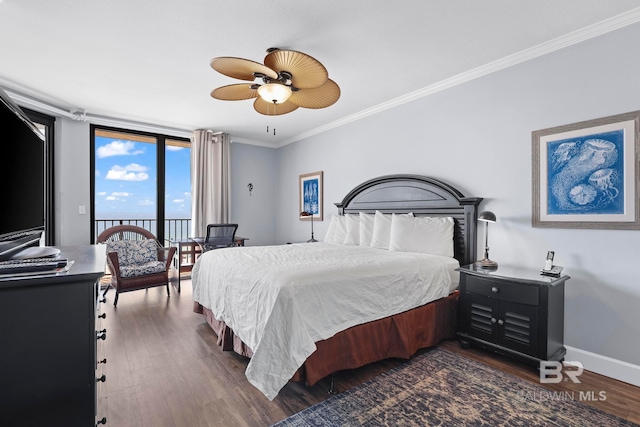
513, 311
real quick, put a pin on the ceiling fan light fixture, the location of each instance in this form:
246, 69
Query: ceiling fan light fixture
286, 81
275, 93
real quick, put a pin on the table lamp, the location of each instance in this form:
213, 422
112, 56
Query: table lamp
311, 240
487, 217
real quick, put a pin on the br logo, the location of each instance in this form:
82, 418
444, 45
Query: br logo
552, 372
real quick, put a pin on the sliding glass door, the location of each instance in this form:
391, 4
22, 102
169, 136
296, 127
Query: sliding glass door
141, 179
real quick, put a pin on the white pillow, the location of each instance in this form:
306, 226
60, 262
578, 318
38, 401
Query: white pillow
366, 228
341, 229
330, 235
352, 225
429, 235
382, 230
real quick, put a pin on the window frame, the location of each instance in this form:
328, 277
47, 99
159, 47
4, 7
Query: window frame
160, 140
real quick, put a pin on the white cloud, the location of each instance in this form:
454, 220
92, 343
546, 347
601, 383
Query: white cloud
131, 172
178, 201
174, 148
121, 194
101, 193
110, 198
136, 167
146, 202
118, 148
187, 194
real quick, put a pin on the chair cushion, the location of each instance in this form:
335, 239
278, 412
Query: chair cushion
120, 247
151, 267
134, 252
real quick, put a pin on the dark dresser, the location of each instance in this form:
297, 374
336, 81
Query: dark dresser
512, 311
49, 343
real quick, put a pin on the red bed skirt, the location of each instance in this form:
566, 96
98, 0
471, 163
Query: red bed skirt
400, 335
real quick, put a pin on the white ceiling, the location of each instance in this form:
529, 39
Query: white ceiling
148, 60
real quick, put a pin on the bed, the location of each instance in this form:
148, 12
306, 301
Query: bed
360, 304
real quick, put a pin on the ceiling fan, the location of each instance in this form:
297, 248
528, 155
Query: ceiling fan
290, 79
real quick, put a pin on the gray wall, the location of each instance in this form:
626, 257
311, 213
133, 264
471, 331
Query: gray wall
477, 137
255, 212
72, 187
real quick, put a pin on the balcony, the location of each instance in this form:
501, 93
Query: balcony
174, 229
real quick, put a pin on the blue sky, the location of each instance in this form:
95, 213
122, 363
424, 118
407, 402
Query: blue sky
126, 175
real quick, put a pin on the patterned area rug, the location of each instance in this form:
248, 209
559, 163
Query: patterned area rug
441, 388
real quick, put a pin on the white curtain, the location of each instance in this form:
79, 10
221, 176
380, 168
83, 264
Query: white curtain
210, 185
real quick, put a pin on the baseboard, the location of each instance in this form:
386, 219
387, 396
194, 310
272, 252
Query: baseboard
607, 366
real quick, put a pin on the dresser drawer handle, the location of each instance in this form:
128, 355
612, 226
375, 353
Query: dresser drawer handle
103, 378
500, 322
102, 316
494, 290
103, 361
493, 320
102, 335
102, 421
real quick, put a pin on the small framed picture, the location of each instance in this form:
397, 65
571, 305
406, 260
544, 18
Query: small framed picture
311, 196
585, 175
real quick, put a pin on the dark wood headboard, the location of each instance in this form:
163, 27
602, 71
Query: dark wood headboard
423, 196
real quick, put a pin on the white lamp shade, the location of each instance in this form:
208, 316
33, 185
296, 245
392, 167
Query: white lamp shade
274, 92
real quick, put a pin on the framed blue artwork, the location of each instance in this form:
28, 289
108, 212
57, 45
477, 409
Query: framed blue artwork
311, 196
585, 175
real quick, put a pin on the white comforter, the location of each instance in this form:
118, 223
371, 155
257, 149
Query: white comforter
280, 300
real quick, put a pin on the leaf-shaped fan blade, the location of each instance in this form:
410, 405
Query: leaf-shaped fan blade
307, 72
319, 97
271, 109
239, 68
237, 92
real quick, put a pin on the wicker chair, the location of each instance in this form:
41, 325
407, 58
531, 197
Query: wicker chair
136, 259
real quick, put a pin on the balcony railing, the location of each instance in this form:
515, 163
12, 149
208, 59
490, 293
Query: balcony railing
174, 229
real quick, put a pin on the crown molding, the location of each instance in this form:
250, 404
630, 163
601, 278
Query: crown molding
575, 37
81, 115
142, 127
36, 104
252, 142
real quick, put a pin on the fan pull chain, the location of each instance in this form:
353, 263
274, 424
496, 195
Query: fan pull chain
274, 113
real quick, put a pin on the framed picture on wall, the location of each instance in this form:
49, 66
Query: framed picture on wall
585, 175
311, 196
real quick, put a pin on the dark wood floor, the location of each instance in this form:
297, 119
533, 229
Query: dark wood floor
164, 368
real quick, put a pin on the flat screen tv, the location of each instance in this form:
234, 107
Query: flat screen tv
22, 177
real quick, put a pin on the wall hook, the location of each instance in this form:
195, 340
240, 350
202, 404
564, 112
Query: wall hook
250, 186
